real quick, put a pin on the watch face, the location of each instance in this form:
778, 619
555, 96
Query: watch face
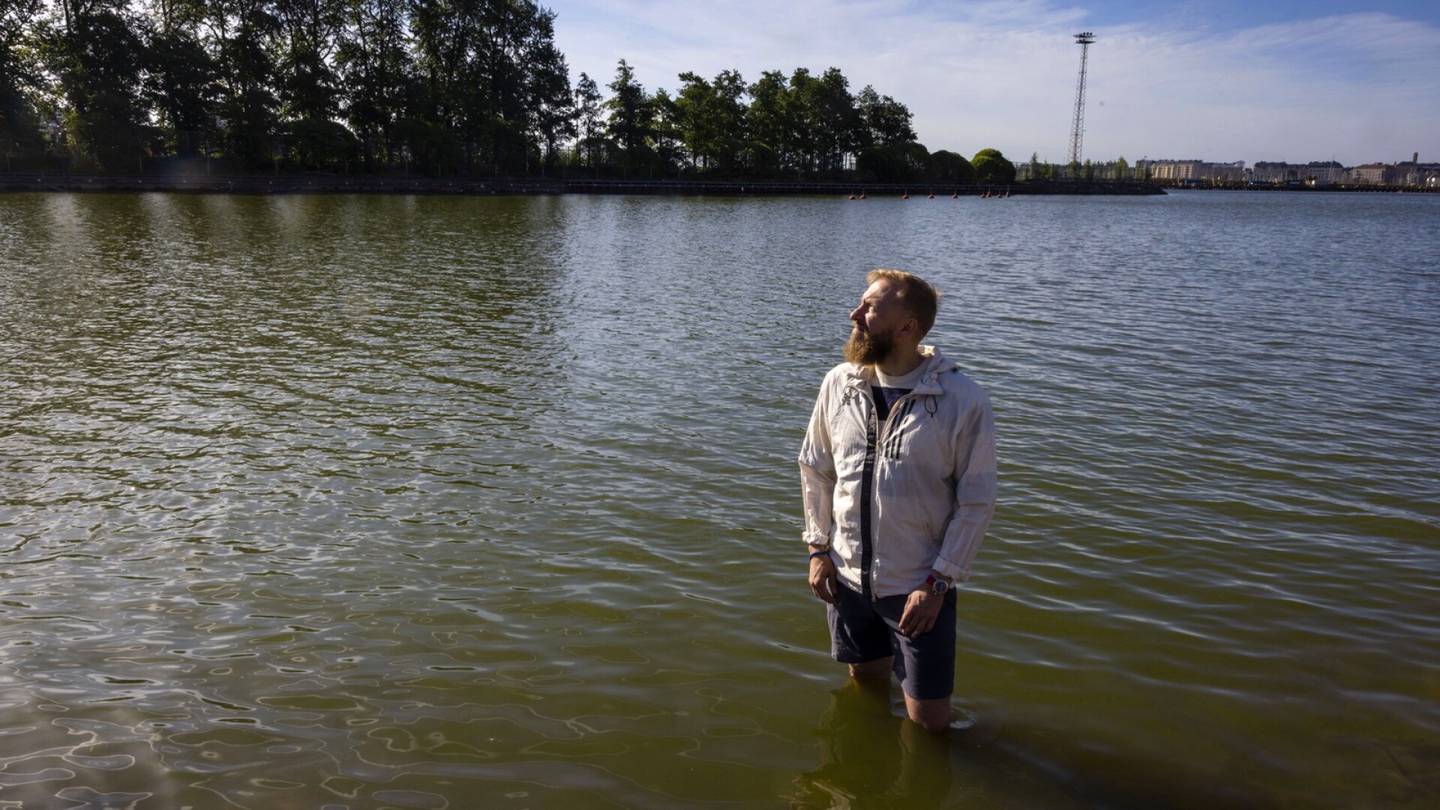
940, 587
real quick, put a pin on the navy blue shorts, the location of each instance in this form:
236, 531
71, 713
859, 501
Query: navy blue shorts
861, 631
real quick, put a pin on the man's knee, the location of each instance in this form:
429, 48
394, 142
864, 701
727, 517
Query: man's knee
870, 670
931, 715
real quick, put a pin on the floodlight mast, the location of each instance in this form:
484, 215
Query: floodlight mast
1077, 129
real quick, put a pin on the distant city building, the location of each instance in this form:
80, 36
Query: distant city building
1191, 170
1324, 173
1414, 173
1372, 174
1316, 173
1277, 172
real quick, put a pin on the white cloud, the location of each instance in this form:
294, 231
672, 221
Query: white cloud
1358, 87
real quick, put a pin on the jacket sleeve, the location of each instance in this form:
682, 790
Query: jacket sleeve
975, 485
817, 475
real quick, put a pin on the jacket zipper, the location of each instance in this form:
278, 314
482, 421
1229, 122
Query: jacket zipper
872, 478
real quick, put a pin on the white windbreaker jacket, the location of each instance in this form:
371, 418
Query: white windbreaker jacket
928, 474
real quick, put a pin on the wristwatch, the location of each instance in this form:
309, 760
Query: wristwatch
937, 587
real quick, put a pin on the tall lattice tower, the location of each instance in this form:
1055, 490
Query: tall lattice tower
1077, 130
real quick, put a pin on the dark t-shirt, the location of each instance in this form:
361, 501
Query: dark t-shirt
884, 398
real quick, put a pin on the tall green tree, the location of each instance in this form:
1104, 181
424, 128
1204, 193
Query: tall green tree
666, 135
244, 35
887, 140
307, 84
502, 107
887, 122
589, 121
728, 111
834, 118
440, 131
20, 138
180, 85
710, 116
631, 111
550, 101
691, 116
767, 151
489, 73
801, 126
99, 57
375, 68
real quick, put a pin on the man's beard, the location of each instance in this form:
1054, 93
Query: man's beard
868, 349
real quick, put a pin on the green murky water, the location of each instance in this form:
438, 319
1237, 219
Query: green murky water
454, 502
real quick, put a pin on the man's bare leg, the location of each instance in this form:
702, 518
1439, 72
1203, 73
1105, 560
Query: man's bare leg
872, 670
932, 715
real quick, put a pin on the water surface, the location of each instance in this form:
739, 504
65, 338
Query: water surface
442, 502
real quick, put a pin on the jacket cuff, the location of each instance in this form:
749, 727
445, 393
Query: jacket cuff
949, 570
816, 540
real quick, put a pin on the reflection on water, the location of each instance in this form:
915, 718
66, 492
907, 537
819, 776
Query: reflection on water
424, 502
871, 757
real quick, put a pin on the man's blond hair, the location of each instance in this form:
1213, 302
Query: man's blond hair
915, 293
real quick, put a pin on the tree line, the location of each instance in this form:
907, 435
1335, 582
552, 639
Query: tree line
1089, 171
798, 126
434, 87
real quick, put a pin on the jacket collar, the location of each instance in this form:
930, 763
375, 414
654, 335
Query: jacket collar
934, 363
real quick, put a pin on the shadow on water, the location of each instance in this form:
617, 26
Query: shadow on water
872, 757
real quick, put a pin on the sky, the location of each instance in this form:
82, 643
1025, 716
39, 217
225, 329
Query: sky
1222, 80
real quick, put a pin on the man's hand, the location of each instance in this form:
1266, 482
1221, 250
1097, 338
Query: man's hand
921, 610
823, 580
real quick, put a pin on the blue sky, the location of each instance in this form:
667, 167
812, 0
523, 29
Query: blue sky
1222, 80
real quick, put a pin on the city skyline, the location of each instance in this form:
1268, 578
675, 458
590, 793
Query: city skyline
1289, 82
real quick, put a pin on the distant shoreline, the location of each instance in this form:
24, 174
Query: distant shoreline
1305, 189
346, 184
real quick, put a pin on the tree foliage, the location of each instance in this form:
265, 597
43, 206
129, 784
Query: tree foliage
440, 87
631, 121
948, 167
20, 136
992, 167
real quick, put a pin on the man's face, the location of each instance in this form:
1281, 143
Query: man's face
877, 321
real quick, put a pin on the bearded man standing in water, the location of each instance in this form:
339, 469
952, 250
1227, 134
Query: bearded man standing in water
898, 478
